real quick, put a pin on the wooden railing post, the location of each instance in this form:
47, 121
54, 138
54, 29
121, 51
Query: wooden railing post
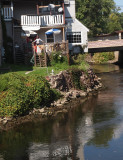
63, 13
37, 9
67, 50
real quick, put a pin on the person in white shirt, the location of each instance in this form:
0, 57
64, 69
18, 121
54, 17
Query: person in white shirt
38, 41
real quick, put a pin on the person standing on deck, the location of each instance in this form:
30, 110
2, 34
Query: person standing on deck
38, 42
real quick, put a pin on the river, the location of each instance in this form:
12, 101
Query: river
90, 131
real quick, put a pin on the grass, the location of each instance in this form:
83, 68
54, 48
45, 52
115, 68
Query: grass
20, 92
43, 71
21, 69
57, 66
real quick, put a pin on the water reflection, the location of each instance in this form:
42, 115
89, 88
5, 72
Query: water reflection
105, 68
93, 130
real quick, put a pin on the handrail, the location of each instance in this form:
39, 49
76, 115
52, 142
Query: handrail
7, 13
47, 20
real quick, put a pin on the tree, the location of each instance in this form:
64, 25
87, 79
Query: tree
114, 23
121, 19
95, 14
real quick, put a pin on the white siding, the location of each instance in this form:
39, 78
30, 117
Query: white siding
70, 9
76, 26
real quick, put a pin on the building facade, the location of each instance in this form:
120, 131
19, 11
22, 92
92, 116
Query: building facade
25, 19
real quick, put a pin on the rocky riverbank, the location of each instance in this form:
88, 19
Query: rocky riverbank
71, 95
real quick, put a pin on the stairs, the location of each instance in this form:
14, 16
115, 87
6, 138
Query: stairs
19, 56
40, 61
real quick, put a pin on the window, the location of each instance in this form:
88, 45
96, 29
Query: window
50, 38
74, 37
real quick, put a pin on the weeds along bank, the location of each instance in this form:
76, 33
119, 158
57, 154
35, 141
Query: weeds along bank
19, 94
103, 57
22, 95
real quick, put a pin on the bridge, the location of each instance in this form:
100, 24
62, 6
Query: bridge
105, 46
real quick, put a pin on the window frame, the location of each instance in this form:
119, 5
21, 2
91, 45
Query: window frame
53, 38
73, 38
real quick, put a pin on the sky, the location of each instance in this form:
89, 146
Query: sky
119, 3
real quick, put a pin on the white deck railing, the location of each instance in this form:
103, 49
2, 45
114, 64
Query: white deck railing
7, 13
48, 20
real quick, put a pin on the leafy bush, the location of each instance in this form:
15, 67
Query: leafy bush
22, 94
10, 80
77, 59
76, 73
103, 57
84, 66
57, 57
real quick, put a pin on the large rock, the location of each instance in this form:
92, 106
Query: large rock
64, 81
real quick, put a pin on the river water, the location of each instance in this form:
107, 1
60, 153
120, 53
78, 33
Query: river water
90, 131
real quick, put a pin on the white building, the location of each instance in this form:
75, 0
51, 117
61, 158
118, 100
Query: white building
22, 17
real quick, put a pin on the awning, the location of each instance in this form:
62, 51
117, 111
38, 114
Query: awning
31, 28
28, 33
53, 31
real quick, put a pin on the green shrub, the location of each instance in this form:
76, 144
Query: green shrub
22, 94
77, 59
84, 66
103, 57
57, 57
76, 73
10, 80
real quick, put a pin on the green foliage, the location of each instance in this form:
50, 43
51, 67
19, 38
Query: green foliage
77, 59
84, 66
76, 73
21, 94
96, 15
121, 19
80, 59
103, 57
114, 23
57, 57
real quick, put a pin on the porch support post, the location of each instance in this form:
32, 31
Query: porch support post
63, 34
119, 35
63, 13
11, 9
37, 9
